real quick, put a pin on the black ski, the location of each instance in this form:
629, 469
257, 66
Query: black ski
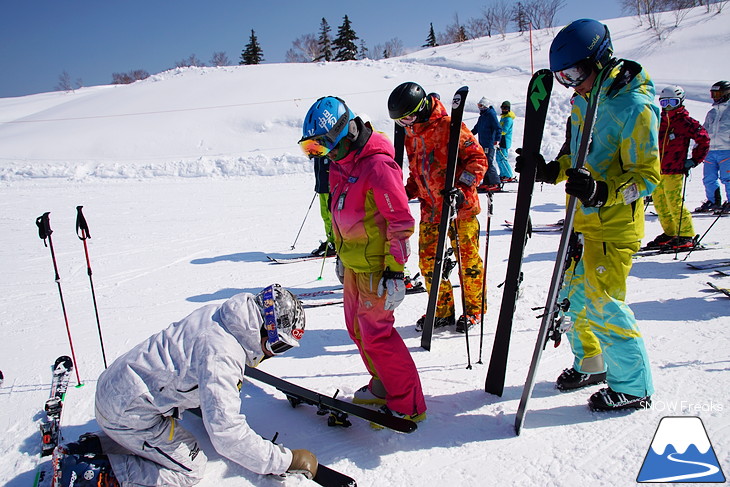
723, 290
457, 113
538, 100
399, 142
50, 428
538, 228
553, 321
338, 410
329, 477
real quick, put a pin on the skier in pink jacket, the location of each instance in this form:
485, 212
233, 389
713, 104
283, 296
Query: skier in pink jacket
372, 224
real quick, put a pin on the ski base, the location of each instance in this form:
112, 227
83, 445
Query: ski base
337, 409
292, 260
708, 266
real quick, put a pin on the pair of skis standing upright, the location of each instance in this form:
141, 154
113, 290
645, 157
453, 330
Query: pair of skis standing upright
538, 99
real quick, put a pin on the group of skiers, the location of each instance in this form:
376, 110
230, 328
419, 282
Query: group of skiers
199, 361
712, 146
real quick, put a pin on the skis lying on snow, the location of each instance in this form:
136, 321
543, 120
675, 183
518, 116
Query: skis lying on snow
538, 99
50, 428
292, 260
723, 290
542, 228
447, 208
338, 410
710, 265
413, 286
326, 476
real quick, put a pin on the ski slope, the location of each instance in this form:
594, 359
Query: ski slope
189, 179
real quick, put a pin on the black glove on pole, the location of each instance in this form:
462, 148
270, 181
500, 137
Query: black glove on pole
82, 230
44, 232
581, 184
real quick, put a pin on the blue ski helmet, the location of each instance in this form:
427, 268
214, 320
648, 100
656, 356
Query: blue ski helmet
581, 40
325, 124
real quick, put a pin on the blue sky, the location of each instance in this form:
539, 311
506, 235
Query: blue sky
91, 39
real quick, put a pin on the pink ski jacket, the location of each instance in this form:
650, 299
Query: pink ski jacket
370, 215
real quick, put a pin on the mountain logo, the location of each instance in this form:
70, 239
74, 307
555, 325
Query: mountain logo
681, 452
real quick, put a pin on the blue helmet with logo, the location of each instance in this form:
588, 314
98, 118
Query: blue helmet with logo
325, 124
581, 40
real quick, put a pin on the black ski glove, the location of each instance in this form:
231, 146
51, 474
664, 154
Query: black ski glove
582, 185
458, 197
544, 172
690, 164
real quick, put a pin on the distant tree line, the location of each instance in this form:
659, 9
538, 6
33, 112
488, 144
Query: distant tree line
497, 18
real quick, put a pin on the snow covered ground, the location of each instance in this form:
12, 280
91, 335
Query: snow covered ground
190, 178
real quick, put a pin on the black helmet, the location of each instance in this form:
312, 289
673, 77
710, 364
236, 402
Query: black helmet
408, 98
720, 91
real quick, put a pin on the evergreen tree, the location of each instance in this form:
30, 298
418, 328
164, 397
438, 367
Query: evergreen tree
252, 54
431, 39
346, 49
325, 44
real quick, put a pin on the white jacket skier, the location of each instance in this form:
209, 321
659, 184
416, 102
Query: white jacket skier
197, 362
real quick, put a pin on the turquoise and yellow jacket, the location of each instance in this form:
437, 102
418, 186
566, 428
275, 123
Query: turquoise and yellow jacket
624, 153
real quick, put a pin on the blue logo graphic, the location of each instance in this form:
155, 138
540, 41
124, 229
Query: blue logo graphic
681, 452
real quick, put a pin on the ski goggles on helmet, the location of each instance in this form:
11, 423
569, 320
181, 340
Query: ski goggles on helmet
573, 76
409, 118
669, 102
276, 343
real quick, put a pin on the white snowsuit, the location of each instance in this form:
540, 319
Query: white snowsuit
196, 362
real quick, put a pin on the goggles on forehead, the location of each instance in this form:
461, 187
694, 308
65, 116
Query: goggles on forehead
274, 343
669, 102
573, 76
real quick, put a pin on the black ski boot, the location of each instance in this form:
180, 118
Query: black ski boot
658, 242
571, 379
438, 323
609, 400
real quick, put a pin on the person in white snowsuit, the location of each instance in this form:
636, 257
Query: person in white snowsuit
197, 362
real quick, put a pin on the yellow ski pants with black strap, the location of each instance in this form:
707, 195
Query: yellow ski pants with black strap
673, 215
471, 264
602, 321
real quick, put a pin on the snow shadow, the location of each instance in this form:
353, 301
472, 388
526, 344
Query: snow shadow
239, 257
644, 269
686, 309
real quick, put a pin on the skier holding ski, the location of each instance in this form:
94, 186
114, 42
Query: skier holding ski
372, 224
717, 163
676, 130
621, 168
426, 123
197, 362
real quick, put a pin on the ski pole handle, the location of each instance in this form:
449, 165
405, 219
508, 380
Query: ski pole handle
82, 228
44, 227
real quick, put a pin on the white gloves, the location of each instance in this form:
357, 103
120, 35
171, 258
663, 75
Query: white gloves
395, 288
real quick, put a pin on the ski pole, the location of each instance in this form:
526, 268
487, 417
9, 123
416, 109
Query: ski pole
463, 287
44, 232
305, 219
82, 230
703, 235
490, 209
681, 214
324, 258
